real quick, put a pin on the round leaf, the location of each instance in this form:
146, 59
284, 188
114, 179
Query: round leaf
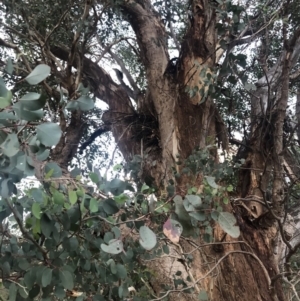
12, 292
85, 103
93, 205
211, 182
56, 170
194, 200
36, 210
110, 207
5, 100
32, 102
38, 74
147, 238
66, 279
172, 229
203, 296
116, 186
227, 222
48, 133
115, 247
46, 277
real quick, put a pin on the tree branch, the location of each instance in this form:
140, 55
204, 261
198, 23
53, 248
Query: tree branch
151, 35
23, 230
102, 129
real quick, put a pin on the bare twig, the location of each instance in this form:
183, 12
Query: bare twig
213, 268
56, 26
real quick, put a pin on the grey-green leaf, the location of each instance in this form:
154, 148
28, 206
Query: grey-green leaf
203, 296
114, 247
147, 238
46, 277
38, 74
12, 292
85, 103
66, 279
10, 146
32, 101
36, 210
25, 114
57, 172
211, 182
227, 222
194, 200
9, 66
48, 133
5, 100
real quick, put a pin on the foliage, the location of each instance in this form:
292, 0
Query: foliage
69, 239
79, 232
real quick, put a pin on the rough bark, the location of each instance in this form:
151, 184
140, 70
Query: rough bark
228, 269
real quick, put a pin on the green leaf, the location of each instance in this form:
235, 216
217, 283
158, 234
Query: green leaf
34, 291
5, 119
10, 147
195, 200
66, 279
38, 74
72, 196
230, 188
145, 188
115, 246
23, 292
147, 238
211, 182
203, 296
36, 210
227, 222
24, 264
225, 201
108, 236
9, 68
46, 277
56, 170
48, 133
25, 114
93, 205
6, 268
42, 154
72, 105
166, 249
22, 164
121, 271
94, 177
5, 100
46, 225
12, 292
116, 186
59, 198
3, 89
29, 278
116, 231
199, 216
110, 207
32, 102
85, 103
180, 210
6, 188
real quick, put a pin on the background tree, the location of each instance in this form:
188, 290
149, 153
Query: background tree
191, 78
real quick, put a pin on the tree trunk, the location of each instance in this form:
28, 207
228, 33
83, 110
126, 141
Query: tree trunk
182, 121
173, 117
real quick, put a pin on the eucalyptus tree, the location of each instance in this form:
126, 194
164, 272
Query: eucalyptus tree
190, 77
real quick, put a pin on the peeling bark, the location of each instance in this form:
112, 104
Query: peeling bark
179, 124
